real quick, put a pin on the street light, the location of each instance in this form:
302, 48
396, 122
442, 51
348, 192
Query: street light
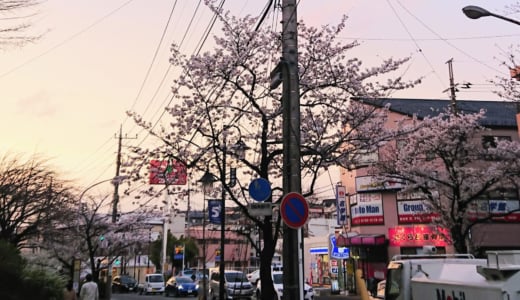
207, 180
207, 183
115, 181
475, 12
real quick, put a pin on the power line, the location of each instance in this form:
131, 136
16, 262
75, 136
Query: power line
72, 37
155, 55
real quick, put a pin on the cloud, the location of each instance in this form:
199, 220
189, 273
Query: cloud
38, 105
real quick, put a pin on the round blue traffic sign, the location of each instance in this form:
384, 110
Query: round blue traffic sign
294, 210
260, 189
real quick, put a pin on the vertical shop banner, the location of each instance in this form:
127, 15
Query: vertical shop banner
171, 172
341, 205
215, 211
367, 210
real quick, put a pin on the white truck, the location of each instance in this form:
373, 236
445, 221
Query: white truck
454, 277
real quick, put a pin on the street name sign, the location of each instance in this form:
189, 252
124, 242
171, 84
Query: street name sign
259, 209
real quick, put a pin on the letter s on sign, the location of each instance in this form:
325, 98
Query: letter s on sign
215, 212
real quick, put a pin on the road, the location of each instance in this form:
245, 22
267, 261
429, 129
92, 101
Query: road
131, 296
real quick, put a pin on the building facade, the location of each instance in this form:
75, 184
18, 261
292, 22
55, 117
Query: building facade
384, 221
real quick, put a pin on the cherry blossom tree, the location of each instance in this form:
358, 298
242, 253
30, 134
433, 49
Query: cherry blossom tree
222, 99
87, 233
444, 158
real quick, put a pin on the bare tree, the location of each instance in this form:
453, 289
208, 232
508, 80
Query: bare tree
15, 16
222, 100
32, 197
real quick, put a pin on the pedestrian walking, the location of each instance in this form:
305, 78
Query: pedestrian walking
89, 290
68, 292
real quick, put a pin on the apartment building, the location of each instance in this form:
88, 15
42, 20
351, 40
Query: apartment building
384, 221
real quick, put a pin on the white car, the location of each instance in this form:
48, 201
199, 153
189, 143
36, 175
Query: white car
153, 284
253, 277
308, 292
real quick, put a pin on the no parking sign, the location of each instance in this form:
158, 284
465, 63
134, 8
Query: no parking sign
294, 210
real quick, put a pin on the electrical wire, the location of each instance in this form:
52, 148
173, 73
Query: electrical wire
419, 49
154, 56
447, 42
70, 38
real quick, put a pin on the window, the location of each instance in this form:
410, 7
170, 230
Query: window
490, 141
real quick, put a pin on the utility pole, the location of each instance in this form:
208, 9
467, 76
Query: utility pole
292, 238
115, 199
452, 86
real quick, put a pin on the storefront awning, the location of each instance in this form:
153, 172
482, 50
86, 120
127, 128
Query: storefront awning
361, 240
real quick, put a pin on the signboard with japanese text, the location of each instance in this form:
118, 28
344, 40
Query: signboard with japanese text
372, 183
364, 158
341, 205
415, 211
497, 209
171, 172
418, 236
368, 209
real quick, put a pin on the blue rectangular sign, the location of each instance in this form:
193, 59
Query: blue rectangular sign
215, 211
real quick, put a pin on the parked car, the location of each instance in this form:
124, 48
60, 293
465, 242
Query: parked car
181, 286
123, 283
187, 272
236, 285
308, 292
253, 277
153, 283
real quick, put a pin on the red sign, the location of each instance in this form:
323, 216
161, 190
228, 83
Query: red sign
418, 236
169, 172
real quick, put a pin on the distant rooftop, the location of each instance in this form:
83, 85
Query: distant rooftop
498, 113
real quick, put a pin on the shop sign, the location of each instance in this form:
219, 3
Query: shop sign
372, 183
338, 252
415, 211
367, 210
319, 250
418, 236
341, 205
498, 209
169, 172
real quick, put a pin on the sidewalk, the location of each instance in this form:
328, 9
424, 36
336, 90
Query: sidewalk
323, 293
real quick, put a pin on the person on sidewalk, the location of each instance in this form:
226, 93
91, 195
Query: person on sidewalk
69, 293
89, 290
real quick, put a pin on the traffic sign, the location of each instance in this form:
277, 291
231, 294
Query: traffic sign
260, 209
260, 189
294, 210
